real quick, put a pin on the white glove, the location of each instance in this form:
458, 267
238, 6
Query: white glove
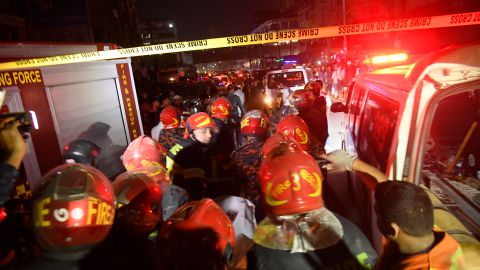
341, 159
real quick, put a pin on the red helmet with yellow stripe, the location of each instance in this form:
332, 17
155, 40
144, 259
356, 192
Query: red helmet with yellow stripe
291, 182
221, 108
294, 127
74, 209
254, 123
170, 117
144, 152
196, 121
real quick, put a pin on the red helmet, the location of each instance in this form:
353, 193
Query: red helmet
170, 117
139, 203
294, 127
201, 215
144, 152
291, 183
303, 98
221, 108
75, 208
198, 120
254, 123
276, 140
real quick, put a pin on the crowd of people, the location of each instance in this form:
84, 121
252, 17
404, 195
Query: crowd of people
193, 191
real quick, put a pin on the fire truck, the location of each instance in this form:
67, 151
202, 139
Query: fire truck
95, 100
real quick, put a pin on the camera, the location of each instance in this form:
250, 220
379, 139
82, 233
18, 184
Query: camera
25, 120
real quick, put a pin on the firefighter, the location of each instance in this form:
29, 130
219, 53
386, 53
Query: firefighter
138, 215
314, 117
188, 161
299, 232
171, 133
247, 159
295, 128
72, 213
221, 148
148, 155
199, 235
81, 151
223, 141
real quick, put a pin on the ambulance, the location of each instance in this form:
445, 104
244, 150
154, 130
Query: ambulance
419, 123
95, 100
289, 79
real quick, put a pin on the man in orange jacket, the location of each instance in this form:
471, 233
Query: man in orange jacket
405, 217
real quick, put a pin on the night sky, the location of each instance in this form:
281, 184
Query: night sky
208, 18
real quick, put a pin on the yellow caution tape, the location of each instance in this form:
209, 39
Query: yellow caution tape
460, 19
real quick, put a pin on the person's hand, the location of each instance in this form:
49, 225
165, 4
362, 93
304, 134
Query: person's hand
340, 159
11, 142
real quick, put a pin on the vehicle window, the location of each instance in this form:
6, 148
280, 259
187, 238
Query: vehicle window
288, 79
354, 110
451, 128
377, 129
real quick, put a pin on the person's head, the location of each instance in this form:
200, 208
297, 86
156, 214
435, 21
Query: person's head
177, 100
294, 127
81, 151
170, 117
303, 99
278, 101
290, 181
164, 100
314, 87
144, 152
230, 88
254, 124
238, 87
200, 127
403, 208
154, 104
199, 235
139, 204
73, 211
221, 108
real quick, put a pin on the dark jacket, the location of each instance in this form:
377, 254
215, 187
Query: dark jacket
316, 122
8, 175
189, 164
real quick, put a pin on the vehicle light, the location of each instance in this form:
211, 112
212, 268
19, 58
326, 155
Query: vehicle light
392, 58
268, 100
172, 79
